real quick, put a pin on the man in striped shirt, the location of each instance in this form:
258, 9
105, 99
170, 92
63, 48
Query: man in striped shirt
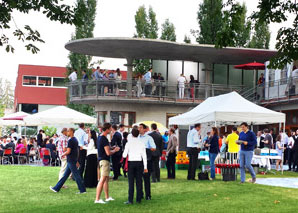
62, 145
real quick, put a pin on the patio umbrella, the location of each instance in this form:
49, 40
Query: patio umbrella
251, 66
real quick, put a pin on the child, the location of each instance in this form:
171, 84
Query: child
279, 148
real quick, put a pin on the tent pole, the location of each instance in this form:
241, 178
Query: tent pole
214, 123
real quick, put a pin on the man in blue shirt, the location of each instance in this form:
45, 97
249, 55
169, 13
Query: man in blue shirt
193, 139
148, 83
150, 147
246, 151
82, 138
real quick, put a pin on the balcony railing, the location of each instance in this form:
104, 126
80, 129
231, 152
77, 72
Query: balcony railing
281, 90
157, 90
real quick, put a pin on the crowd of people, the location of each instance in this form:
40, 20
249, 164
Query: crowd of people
92, 157
112, 148
147, 85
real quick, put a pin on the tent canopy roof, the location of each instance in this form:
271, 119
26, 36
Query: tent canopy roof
230, 109
58, 115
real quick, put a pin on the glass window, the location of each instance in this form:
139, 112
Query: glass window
30, 108
160, 66
44, 81
271, 77
29, 80
235, 76
190, 68
283, 75
175, 69
220, 74
248, 78
58, 82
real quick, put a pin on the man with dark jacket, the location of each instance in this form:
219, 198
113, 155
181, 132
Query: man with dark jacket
116, 158
157, 153
39, 138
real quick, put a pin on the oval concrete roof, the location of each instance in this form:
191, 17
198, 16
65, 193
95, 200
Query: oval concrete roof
139, 48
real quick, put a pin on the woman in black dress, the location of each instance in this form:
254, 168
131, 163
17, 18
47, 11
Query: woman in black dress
90, 178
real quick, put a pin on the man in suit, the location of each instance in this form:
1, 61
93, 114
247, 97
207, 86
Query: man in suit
157, 153
116, 142
39, 138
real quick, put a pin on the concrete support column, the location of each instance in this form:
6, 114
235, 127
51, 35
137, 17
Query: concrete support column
129, 76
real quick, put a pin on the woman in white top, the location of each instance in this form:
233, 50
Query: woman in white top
118, 78
90, 178
181, 85
137, 164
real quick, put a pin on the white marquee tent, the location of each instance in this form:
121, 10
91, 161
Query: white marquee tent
58, 115
14, 119
228, 109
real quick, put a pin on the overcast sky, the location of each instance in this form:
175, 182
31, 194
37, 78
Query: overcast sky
115, 18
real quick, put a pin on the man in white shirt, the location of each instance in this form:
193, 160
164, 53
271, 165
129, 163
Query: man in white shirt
73, 76
148, 82
82, 138
137, 164
193, 139
14, 134
181, 85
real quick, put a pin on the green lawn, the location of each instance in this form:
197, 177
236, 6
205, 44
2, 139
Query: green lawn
26, 189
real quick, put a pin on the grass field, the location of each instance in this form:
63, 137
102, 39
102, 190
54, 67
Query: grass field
26, 189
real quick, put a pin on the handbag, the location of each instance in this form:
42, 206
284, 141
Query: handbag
203, 176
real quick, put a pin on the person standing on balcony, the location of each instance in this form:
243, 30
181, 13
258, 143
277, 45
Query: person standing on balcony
118, 78
193, 139
96, 74
72, 78
261, 86
148, 82
84, 82
139, 86
181, 85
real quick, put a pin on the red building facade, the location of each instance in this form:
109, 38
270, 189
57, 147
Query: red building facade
39, 88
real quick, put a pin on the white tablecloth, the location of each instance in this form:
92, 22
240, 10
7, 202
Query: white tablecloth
264, 161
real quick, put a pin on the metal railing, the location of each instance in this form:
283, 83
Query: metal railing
273, 91
161, 90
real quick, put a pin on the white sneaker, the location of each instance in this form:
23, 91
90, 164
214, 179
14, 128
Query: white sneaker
100, 201
52, 189
110, 199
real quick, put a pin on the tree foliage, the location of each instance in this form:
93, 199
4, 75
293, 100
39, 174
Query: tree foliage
146, 27
209, 18
55, 10
261, 36
187, 39
6, 96
235, 31
81, 62
168, 31
270, 11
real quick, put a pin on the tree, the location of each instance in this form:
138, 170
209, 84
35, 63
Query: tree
187, 39
153, 25
168, 31
273, 11
261, 37
146, 27
55, 10
209, 18
81, 62
235, 31
6, 96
